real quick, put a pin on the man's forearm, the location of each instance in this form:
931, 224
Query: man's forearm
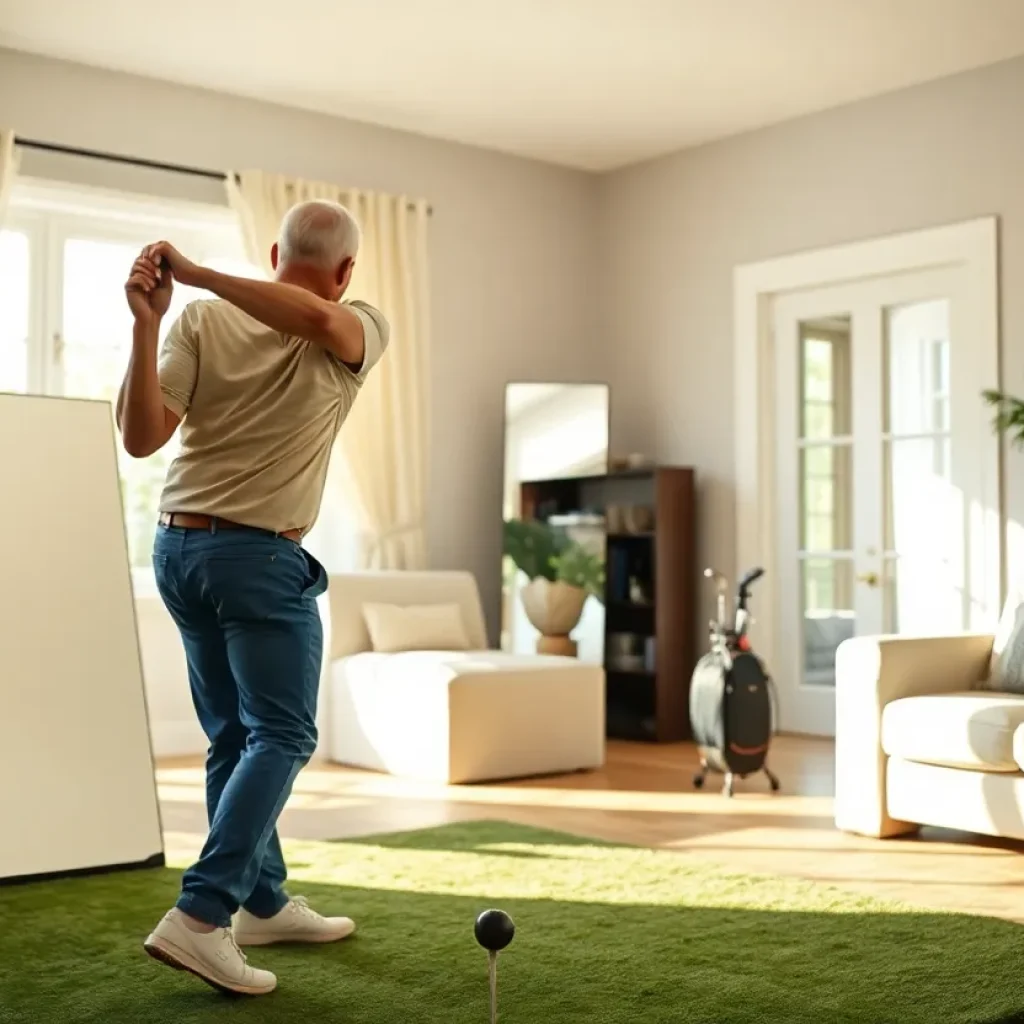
140, 403
282, 307
291, 310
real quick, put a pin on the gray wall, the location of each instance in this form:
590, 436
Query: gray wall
672, 230
512, 249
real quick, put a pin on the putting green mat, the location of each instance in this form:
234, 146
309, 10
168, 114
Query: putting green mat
604, 934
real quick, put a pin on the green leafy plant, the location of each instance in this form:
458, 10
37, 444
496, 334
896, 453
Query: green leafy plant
1009, 415
582, 568
542, 551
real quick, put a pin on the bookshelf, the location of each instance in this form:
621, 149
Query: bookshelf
651, 580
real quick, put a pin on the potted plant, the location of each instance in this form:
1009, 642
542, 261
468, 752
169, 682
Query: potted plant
1009, 415
562, 574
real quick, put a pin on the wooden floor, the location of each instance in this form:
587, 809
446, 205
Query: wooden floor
644, 796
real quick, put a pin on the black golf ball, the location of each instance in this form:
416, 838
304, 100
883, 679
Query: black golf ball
494, 930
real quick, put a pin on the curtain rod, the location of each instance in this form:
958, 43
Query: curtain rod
133, 161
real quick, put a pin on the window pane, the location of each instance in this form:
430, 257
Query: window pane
917, 357
825, 380
826, 497
924, 533
14, 307
97, 344
828, 617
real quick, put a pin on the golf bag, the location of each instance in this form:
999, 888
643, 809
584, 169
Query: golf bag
731, 706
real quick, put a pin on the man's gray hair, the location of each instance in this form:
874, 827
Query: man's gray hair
319, 233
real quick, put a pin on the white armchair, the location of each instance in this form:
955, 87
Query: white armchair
453, 716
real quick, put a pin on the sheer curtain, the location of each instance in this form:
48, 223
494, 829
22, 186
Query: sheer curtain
385, 440
8, 168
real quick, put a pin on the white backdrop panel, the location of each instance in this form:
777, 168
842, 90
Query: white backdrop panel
77, 790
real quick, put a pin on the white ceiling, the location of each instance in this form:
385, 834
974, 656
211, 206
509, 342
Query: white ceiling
593, 84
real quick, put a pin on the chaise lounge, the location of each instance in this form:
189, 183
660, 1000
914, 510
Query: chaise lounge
429, 701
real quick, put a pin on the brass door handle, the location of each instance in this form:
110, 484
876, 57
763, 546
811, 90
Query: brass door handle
870, 578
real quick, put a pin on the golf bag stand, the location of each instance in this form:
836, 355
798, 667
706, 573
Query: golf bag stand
731, 696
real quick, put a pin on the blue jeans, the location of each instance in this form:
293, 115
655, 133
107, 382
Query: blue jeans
245, 603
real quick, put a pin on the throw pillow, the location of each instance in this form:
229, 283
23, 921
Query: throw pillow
427, 627
1006, 670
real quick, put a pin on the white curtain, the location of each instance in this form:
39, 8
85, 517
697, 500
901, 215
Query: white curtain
8, 168
385, 439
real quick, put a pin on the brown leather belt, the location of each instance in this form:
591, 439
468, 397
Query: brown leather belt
195, 521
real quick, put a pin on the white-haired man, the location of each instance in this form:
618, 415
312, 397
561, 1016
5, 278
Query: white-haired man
261, 381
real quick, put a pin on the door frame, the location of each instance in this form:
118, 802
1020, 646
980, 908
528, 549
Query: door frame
970, 246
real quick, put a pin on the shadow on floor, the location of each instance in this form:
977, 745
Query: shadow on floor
604, 934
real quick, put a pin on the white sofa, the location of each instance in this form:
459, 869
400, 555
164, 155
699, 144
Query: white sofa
920, 742
453, 716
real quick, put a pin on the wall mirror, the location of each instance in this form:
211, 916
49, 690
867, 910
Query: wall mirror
553, 432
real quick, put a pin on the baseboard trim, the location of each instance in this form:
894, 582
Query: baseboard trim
157, 860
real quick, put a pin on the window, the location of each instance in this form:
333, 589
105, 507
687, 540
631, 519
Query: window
65, 327
825, 464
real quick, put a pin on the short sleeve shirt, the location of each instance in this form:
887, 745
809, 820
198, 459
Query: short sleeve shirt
260, 413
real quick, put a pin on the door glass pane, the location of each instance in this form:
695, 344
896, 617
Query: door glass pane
828, 615
825, 391
826, 497
924, 538
924, 567
917, 360
14, 309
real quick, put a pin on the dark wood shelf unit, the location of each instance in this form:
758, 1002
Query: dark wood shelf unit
649, 705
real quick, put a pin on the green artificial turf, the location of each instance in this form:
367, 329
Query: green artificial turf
604, 933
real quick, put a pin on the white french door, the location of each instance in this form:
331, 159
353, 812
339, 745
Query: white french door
881, 518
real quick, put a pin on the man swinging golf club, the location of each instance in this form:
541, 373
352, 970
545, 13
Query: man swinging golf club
260, 380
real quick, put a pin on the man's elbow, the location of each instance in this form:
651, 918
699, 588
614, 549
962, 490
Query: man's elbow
137, 448
139, 444
142, 440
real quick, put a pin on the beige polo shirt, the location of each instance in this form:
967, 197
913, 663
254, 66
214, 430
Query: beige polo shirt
260, 413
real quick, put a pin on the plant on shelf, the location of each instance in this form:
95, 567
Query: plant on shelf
1009, 415
562, 573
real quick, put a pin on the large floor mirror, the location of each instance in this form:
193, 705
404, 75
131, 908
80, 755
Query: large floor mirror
553, 432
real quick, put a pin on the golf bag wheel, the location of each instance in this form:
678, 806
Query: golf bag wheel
773, 780
698, 779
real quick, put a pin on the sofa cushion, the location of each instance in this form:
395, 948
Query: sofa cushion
1006, 670
441, 669
426, 627
957, 730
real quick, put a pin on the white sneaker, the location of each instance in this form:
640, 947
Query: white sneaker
214, 957
297, 922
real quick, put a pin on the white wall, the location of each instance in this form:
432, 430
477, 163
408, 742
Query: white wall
674, 229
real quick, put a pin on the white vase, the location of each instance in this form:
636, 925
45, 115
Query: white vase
554, 609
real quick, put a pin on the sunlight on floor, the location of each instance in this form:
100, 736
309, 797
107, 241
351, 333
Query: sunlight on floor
644, 797
326, 789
